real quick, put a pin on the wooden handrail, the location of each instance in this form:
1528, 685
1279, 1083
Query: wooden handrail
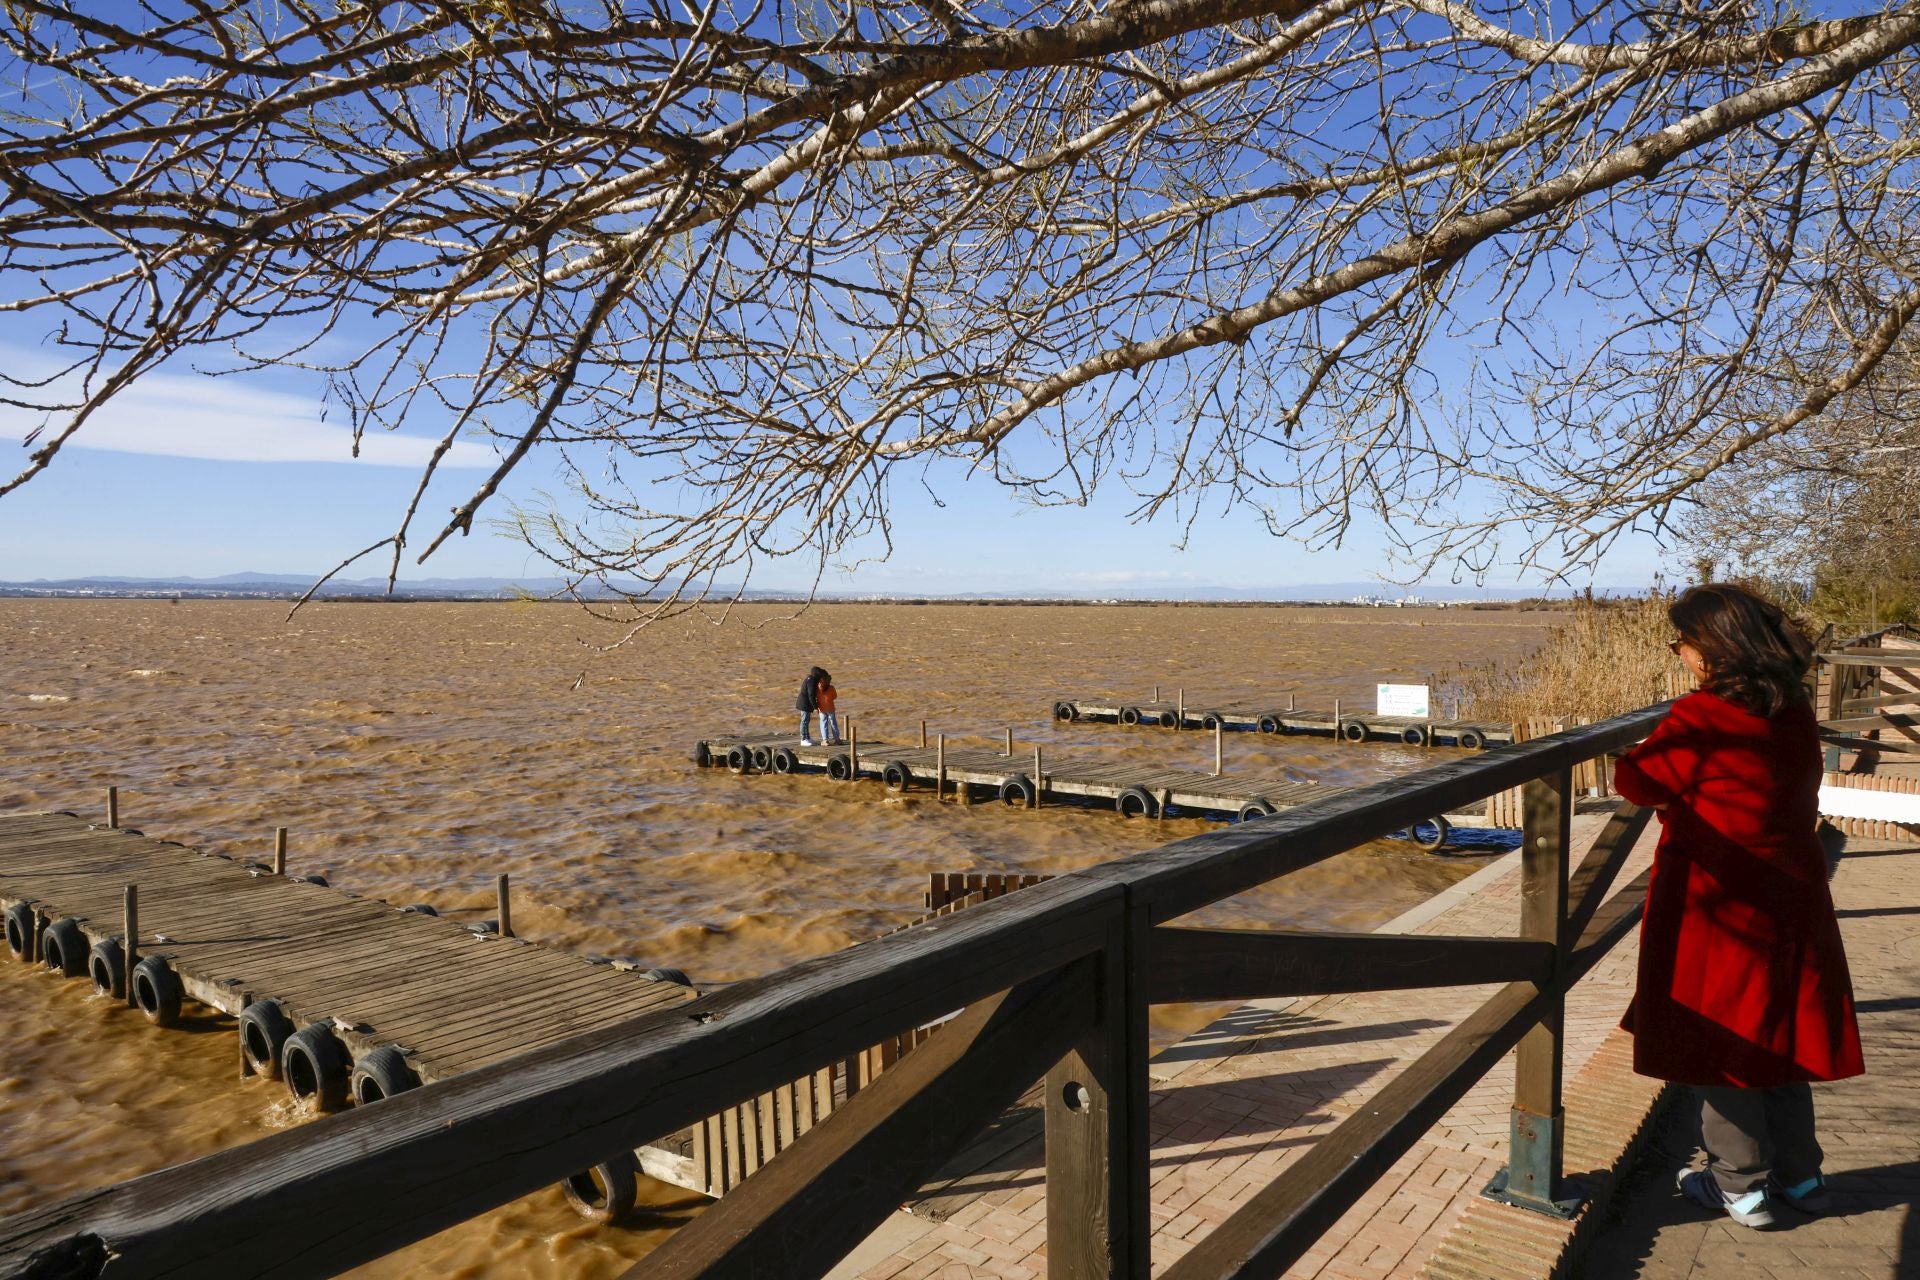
346, 1189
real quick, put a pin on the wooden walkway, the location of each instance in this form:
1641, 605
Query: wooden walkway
1268, 715
448, 999
1133, 789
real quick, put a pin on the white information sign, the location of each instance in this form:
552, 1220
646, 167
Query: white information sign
1876, 806
1401, 700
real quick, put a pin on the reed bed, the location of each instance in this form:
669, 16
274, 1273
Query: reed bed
1604, 658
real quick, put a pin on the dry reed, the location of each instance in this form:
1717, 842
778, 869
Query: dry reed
1604, 658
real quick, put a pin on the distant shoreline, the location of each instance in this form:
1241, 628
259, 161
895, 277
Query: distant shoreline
401, 596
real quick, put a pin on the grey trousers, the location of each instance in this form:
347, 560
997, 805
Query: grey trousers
1750, 1133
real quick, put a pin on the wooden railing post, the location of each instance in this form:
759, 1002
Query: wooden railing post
1538, 1137
1097, 1220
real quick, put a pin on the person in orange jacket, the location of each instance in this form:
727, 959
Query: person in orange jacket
826, 696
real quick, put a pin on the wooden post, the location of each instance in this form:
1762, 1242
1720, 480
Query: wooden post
940, 768
1538, 1123
130, 945
1097, 1157
279, 851
1219, 747
1009, 742
1290, 705
1336, 718
923, 733
853, 752
1180, 709
113, 808
34, 936
1039, 778
502, 895
1156, 693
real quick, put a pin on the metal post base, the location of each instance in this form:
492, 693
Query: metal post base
1496, 1189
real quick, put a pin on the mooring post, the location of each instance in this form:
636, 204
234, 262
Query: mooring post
113, 808
1009, 742
130, 925
1336, 720
940, 768
1039, 778
246, 1065
1180, 709
39, 927
1156, 693
1219, 746
279, 851
853, 752
923, 733
502, 894
1290, 706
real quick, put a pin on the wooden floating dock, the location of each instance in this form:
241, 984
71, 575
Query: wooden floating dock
445, 998
1133, 789
1270, 716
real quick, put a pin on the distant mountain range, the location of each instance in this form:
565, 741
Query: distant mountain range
284, 586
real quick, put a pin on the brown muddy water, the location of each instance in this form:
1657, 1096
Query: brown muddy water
416, 750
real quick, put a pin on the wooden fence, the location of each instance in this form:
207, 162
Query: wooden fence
1053, 981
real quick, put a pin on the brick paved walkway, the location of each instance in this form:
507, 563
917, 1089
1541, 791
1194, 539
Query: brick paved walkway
1241, 1099
1870, 1127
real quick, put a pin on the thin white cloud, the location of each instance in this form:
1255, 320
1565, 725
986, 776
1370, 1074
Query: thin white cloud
228, 420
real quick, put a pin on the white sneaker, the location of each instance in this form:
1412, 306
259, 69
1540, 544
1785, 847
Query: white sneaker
806, 742
1754, 1209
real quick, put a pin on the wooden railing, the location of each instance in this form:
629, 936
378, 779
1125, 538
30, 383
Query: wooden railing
1052, 981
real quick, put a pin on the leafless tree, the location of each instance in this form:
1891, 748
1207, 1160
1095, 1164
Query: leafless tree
1497, 276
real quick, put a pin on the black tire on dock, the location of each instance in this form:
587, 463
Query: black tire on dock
381, 1074
840, 767
19, 929
107, 965
674, 976
1471, 739
319, 880
1018, 787
897, 775
264, 1028
1354, 730
316, 1067
1168, 720
63, 948
1270, 724
784, 761
1129, 715
1414, 735
1064, 711
419, 909
763, 759
1211, 721
1259, 808
738, 759
156, 989
606, 1192
1436, 840
1136, 802
703, 755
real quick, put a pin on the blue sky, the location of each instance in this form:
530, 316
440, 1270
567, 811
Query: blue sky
199, 477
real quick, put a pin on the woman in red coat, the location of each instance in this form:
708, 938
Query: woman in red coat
1743, 990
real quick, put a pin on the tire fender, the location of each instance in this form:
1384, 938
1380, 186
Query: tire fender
381, 1074
839, 767
1472, 739
264, 1028
316, 1067
107, 965
1442, 829
1354, 730
1129, 715
1017, 788
1211, 721
1254, 809
1270, 724
606, 1192
784, 761
763, 759
896, 775
1136, 802
738, 759
63, 948
156, 989
703, 755
1065, 711
1414, 735
19, 929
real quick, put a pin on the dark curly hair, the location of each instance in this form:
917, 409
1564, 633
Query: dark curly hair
1756, 658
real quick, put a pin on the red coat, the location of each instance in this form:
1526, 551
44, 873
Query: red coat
1742, 977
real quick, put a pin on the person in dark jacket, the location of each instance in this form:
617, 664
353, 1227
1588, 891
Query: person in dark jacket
1743, 989
809, 701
